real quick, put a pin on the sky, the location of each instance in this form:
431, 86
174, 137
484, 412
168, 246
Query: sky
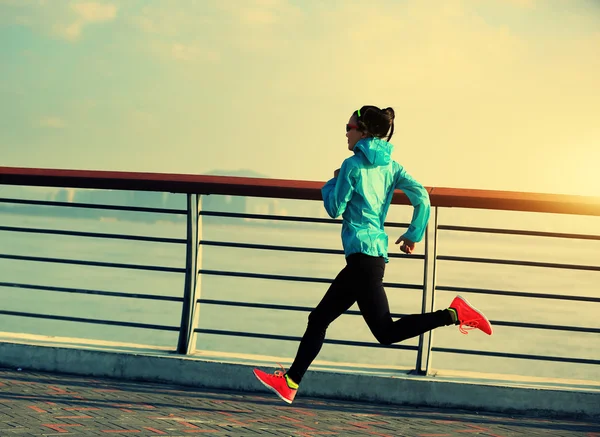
488, 94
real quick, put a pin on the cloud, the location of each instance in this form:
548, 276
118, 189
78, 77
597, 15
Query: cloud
141, 116
525, 4
183, 52
52, 122
95, 12
85, 13
189, 53
64, 19
255, 14
172, 33
70, 32
168, 19
250, 25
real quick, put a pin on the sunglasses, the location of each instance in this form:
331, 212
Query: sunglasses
349, 127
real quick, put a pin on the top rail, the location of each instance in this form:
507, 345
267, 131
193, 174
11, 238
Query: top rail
290, 189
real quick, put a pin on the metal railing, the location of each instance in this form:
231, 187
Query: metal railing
95, 235
195, 187
530, 295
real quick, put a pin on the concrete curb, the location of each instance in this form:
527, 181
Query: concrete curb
405, 390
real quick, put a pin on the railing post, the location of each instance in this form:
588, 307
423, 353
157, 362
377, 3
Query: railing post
189, 313
423, 365
197, 277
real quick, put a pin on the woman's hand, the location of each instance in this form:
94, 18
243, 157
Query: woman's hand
407, 245
336, 173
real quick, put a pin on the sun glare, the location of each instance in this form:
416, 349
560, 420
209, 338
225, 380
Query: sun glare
584, 177
576, 171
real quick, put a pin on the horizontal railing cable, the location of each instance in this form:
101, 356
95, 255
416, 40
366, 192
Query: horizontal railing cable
286, 218
283, 218
95, 206
276, 306
546, 326
93, 235
517, 356
297, 339
517, 294
518, 232
237, 245
295, 278
92, 321
92, 263
518, 263
91, 292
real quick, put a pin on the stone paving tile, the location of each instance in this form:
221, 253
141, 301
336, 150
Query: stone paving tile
41, 404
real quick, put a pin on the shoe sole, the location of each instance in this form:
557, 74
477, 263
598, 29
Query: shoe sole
272, 389
478, 312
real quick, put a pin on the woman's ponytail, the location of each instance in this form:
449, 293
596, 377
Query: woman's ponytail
391, 115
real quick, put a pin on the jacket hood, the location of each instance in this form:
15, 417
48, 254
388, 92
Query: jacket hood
376, 150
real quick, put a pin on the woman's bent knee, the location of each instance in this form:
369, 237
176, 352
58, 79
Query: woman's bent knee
384, 339
316, 323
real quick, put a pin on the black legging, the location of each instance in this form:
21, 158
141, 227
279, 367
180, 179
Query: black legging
360, 281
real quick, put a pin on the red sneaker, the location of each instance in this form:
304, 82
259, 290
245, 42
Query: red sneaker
470, 317
277, 383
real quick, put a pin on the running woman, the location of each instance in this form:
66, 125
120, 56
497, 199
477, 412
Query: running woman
361, 192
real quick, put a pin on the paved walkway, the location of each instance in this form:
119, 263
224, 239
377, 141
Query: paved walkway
38, 404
